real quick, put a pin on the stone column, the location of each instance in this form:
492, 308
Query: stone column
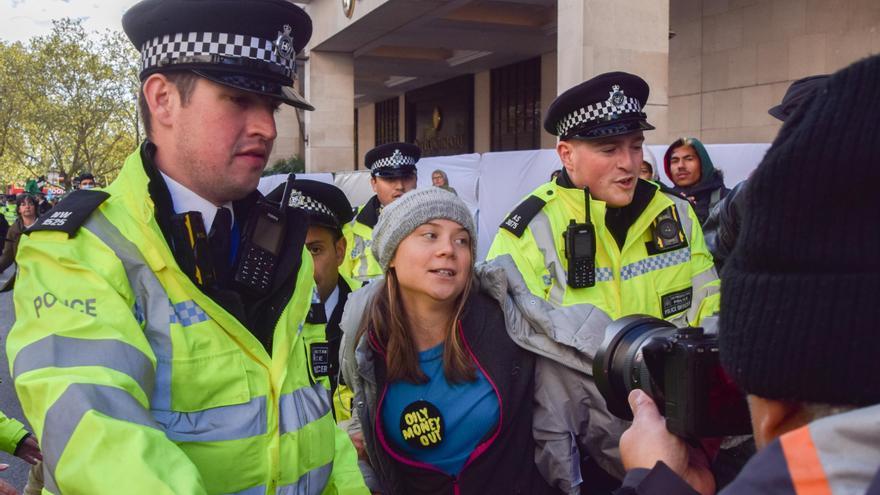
483, 112
366, 132
330, 128
288, 143
596, 36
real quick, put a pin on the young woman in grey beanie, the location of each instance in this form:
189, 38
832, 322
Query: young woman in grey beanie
443, 396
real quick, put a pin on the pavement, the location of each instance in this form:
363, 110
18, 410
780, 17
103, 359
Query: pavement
17, 473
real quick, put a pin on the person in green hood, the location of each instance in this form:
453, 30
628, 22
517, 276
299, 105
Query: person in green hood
690, 169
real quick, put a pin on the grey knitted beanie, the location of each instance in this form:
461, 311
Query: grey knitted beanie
415, 208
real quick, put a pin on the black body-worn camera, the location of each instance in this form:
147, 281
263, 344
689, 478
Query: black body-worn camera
679, 368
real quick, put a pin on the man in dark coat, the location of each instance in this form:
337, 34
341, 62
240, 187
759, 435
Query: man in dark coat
691, 171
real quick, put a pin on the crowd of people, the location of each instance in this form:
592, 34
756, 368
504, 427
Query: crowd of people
179, 332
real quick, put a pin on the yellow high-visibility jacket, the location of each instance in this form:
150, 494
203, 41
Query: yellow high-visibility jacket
679, 285
359, 263
11, 433
135, 381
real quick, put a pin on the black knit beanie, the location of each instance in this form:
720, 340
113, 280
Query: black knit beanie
800, 295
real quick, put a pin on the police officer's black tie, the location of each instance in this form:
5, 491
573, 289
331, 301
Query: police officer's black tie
219, 237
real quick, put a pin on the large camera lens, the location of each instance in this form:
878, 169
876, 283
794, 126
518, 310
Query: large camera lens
620, 365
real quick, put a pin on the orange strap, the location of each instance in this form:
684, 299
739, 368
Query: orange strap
804, 466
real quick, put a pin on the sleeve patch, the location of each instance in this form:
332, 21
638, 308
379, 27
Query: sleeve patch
520, 217
69, 215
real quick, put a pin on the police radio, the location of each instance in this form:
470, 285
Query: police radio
580, 250
261, 245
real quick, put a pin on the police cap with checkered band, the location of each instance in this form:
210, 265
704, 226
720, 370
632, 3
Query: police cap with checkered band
393, 159
249, 45
607, 105
325, 204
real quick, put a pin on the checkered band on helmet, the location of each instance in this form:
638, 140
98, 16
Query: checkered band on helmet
311, 205
604, 111
181, 48
397, 159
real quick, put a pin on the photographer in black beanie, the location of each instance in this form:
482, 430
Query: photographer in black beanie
799, 316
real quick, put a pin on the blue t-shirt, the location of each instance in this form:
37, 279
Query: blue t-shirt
437, 422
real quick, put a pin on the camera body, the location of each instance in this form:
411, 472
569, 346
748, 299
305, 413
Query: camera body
679, 368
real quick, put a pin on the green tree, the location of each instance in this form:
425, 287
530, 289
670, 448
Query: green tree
68, 103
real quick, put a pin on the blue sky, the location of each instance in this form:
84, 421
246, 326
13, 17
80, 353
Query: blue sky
22, 19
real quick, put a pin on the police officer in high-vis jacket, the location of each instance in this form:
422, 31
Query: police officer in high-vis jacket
393, 170
599, 235
162, 342
328, 210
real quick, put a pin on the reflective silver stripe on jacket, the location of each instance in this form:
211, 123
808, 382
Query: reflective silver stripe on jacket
150, 299
707, 276
65, 414
67, 352
216, 424
302, 406
653, 263
542, 231
362, 245
312, 482
683, 207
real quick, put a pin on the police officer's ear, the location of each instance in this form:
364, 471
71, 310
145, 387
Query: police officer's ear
565, 150
162, 97
340, 246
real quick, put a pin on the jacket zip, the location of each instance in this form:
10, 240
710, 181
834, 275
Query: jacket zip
477, 452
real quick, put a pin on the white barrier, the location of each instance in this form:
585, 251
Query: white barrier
270, 182
492, 184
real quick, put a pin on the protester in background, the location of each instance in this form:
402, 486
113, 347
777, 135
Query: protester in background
327, 210
722, 226
798, 330
441, 180
444, 395
26, 205
648, 170
693, 175
87, 181
393, 173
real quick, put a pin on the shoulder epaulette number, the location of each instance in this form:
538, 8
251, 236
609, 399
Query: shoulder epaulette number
71, 212
520, 217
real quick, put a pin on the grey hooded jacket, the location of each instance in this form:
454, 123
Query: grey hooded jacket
570, 417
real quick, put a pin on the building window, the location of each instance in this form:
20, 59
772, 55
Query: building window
387, 121
516, 106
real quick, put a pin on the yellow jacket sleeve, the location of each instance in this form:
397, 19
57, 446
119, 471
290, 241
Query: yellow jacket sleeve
528, 259
346, 477
11, 433
84, 372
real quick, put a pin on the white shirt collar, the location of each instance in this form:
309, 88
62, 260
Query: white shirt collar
331, 302
185, 200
